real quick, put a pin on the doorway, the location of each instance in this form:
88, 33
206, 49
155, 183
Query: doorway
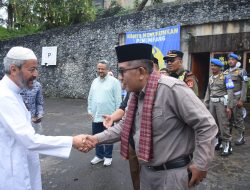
200, 68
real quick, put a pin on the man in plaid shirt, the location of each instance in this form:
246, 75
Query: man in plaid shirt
33, 99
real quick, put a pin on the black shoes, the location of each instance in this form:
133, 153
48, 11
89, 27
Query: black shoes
227, 149
218, 145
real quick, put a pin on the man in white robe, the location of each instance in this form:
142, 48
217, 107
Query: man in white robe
19, 145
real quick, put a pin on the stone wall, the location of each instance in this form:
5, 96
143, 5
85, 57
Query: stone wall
81, 46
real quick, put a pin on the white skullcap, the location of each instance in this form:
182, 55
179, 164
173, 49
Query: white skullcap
21, 53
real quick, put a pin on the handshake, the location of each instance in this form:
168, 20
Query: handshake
85, 143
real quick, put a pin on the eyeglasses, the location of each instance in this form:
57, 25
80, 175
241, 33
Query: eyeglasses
121, 71
32, 70
171, 60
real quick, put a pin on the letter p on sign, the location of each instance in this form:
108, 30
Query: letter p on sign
49, 55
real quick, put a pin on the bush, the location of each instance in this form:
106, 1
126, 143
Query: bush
114, 9
13, 33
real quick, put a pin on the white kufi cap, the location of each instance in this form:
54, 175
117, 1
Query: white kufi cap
21, 53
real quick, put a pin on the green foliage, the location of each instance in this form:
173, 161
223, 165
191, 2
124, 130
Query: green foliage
114, 9
136, 4
49, 14
12, 33
62, 13
30, 16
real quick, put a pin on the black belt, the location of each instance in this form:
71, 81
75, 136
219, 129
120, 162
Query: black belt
172, 164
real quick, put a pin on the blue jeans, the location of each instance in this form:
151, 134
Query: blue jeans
103, 150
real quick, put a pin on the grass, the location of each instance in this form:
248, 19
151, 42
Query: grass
13, 33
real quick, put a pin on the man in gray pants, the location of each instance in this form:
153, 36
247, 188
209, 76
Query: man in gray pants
219, 101
240, 80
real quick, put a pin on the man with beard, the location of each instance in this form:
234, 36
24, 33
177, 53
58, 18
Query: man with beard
240, 80
19, 145
173, 131
174, 61
104, 98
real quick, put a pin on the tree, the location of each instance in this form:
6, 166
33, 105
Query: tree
140, 6
48, 13
63, 12
5, 5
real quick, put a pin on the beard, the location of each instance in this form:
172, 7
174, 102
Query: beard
102, 75
27, 84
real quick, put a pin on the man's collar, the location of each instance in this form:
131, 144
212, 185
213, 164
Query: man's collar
102, 79
215, 76
232, 68
180, 71
141, 94
11, 84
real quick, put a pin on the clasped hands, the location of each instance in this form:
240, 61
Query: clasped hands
84, 143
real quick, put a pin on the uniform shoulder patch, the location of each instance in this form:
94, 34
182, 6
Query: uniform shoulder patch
222, 77
237, 72
190, 83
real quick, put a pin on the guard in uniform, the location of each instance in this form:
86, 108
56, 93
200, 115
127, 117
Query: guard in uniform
240, 79
174, 61
219, 101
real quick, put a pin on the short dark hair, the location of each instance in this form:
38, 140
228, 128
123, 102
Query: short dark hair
105, 62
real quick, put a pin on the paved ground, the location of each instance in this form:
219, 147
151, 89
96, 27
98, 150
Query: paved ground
68, 117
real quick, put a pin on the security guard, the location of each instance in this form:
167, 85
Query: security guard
240, 79
219, 88
174, 61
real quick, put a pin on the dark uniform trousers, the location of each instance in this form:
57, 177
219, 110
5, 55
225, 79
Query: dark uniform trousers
134, 168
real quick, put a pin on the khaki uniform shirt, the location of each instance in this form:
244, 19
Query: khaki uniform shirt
240, 79
188, 77
217, 88
181, 125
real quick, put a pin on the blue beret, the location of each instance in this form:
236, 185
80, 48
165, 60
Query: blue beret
217, 62
232, 55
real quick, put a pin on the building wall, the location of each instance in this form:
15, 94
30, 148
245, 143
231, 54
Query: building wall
229, 27
81, 46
